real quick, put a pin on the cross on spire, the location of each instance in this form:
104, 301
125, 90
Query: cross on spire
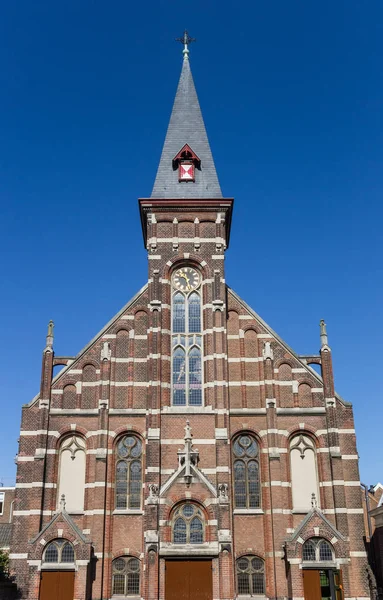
186, 40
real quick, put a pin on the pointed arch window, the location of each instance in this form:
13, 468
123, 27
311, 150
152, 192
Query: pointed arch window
179, 309
59, 552
186, 339
188, 525
72, 467
304, 472
246, 472
129, 473
317, 550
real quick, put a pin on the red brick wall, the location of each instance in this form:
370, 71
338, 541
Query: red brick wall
246, 388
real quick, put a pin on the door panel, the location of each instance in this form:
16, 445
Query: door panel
56, 585
188, 580
338, 582
200, 580
311, 584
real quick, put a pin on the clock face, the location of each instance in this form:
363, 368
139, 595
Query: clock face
186, 279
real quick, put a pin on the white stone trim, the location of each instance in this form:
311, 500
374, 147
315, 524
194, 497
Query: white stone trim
181, 441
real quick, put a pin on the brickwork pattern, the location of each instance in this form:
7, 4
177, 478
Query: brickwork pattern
252, 383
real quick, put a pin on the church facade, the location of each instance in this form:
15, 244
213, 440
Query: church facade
187, 451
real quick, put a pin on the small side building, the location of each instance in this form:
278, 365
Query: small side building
375, 546
7, 497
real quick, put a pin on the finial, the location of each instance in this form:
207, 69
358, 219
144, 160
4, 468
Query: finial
49, 342
323, 333
314, 502
62, 502
186, 40
188, 435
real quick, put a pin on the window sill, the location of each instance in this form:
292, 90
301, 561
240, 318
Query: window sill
300, 511
119, 597
257, 596
131, 511
248, 511
186, 409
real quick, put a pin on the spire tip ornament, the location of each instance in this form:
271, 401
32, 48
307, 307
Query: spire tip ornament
186, 40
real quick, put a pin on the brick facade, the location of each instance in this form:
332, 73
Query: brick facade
252, 382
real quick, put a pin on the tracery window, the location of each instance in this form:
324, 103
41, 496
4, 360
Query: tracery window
72, 466
304, 472
126, 576
59, 551
188, 525
317, 550
247, 492
186, 338
250, 575
129, 473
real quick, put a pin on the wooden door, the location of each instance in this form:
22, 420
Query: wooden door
311, 584
188, 580
56, 585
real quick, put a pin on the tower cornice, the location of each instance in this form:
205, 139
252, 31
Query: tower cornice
216, 205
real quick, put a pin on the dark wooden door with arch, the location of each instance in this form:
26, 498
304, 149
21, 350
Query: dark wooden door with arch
56, 585
188, 580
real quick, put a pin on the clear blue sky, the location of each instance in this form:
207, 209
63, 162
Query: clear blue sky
292, 97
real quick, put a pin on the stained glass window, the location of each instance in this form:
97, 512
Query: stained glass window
187, 348
194, 306
128, 473
250, 575
178, 313
188, 525
317, 550
59, 551
246, 473
126, 576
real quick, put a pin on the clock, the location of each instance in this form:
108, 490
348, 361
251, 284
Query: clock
186, 279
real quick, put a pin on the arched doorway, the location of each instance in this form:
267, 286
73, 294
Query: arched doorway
57, 571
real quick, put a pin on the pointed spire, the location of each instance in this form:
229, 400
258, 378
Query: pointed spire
186, 126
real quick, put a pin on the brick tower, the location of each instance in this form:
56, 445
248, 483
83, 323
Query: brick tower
187, 451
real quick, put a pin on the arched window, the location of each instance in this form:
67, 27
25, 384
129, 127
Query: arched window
246, 472
72, 464
129, 473
317, 550
59, 552
188, 525
250, 575
194, 312
186, 338
178, 313
195, 389
179, 377
126, 576
304, 474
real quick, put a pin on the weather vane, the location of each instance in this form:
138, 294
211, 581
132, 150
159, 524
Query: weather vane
186, 40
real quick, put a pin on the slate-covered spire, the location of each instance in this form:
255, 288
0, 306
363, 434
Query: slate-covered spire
186, 126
